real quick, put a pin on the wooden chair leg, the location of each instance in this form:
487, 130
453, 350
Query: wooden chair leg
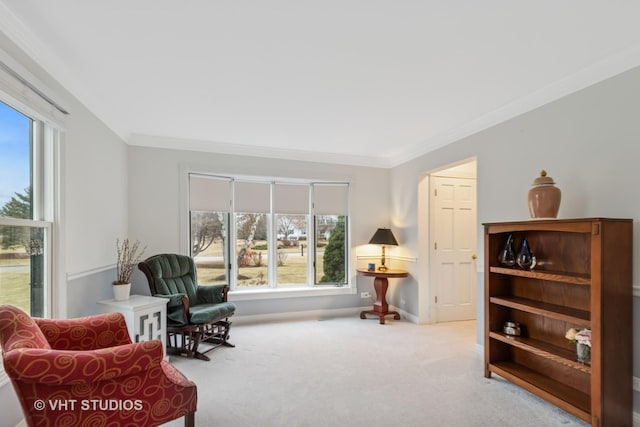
225, 342
190, 420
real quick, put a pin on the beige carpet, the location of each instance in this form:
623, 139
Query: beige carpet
352, 372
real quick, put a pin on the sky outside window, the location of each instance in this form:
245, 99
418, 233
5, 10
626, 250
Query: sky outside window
15, 157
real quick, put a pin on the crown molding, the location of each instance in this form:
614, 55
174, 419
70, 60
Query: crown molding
595, 73
255, 151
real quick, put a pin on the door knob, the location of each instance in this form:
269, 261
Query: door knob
474, 256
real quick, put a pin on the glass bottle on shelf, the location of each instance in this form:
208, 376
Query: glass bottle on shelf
507, 256
526, 260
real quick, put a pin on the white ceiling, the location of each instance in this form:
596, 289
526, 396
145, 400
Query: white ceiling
372, 82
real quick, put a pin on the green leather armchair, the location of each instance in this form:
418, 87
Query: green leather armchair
195, 313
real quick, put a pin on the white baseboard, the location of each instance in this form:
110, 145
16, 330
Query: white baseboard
297, 315
22, 423
314, 315
405, 315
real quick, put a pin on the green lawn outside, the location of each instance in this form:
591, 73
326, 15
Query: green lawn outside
292, 273
14, 285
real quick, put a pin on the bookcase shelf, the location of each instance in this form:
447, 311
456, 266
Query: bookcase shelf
575, 278
573, 401
582, 279
552, 311
542, 349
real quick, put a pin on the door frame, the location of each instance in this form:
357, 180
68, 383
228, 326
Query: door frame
426, 287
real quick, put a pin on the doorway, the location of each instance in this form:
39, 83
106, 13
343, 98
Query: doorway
451, 219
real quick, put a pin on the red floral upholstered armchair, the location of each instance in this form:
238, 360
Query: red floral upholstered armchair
86, 372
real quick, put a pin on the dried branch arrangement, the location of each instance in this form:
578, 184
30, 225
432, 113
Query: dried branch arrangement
129, 255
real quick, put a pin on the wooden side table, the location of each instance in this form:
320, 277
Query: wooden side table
381, 283
146, 316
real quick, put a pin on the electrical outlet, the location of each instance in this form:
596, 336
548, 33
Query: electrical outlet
365, 295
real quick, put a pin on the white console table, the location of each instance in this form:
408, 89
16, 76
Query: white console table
146, 316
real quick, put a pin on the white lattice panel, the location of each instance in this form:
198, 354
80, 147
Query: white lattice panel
149, 326
146, 316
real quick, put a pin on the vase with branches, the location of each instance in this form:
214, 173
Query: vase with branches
129, 255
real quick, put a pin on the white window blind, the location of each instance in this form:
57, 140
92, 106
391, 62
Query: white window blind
291, 198
252, 197
330, 199
207, 193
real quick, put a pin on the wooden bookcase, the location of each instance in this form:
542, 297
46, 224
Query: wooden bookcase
583, 278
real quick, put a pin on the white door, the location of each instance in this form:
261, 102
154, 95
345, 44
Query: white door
453, 247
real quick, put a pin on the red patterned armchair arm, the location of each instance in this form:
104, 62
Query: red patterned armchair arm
86, 333
61, 367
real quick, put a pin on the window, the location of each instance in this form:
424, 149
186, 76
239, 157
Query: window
24, 230
283, 234
293, 262
291, 218
251, 205
330, 204
209, 225
331, 248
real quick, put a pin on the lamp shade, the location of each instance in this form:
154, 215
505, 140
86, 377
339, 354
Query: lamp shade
383, 236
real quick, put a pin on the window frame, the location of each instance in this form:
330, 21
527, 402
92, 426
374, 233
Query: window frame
311, 288
47, 133
43, 140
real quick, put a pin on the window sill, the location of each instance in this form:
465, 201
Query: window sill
261, 294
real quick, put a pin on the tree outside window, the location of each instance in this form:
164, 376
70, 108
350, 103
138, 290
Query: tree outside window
209, 246
252, 247
331, 229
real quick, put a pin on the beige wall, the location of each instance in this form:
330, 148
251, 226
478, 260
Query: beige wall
158, 209
589, 142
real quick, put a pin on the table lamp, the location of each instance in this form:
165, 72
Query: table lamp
383, 236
